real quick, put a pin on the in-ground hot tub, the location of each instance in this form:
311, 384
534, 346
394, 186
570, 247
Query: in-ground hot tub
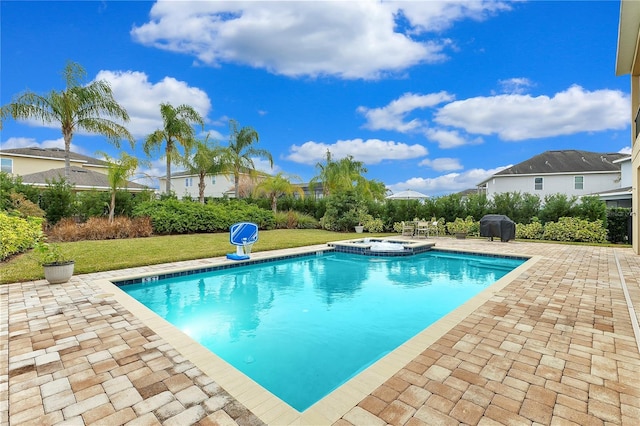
382, 246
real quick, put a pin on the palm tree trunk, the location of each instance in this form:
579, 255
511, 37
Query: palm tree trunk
112, 207
201, 187
236, 178
168, 185
67, 155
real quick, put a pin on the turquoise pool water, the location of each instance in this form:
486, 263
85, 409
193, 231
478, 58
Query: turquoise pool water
302, 327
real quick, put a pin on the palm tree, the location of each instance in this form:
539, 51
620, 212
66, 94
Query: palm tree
241, 150
207, 160
77, 107
118, 173
177, 130
342, 175
275, 186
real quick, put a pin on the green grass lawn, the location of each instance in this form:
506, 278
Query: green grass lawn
107, 255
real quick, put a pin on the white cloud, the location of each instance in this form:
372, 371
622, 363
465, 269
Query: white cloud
347, 39
18, 142
371, 151
626, 150
449, 138
448, 183
442, 164
517, 85
519, 117
393, 115
426, 16
142, 98
264, 166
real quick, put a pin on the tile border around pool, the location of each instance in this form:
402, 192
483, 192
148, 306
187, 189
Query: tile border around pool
269, 408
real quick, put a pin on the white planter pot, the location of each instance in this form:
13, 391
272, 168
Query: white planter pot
59, 273
359, 229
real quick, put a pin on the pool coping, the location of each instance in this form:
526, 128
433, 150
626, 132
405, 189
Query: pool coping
266, 406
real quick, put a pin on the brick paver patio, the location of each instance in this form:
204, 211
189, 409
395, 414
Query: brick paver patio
555, 346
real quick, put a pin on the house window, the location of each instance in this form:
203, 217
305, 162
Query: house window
538, 184
188, 182
578, 182
213, 180
6, 165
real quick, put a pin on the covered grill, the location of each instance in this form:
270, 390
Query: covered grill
497, 225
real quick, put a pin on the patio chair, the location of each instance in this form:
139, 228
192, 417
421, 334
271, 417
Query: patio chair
407, 229
422, 228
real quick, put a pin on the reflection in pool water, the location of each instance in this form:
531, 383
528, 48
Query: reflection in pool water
304, 326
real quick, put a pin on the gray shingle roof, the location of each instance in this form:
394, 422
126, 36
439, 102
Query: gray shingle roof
566, 161
79, 177
56, 153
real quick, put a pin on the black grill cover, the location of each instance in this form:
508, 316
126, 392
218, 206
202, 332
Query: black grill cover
497, 225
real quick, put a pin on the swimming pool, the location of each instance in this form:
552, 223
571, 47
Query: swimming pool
302, 327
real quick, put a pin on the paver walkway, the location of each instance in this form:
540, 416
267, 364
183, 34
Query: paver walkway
555, 346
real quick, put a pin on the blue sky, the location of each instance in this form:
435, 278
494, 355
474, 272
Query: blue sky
432, 96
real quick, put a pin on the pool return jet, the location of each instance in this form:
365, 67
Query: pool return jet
242, 235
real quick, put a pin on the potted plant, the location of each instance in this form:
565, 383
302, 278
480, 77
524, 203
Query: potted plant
363, 217
58, 266
460, 227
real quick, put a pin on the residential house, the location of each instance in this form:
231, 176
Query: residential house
185, 184
23, 161
628, 63
37, 166
621, 196
570, 172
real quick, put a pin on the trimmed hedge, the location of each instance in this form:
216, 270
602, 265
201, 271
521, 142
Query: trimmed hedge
565, 229
186, 217
618, 221
18, 235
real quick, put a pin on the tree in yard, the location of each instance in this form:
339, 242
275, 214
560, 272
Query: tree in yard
118, 173
347, 174
177, 130
88, 107
276, 186
208, 159
241, 151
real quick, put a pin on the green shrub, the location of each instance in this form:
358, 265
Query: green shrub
18, 235
557, 206
462, 226
295, 220
343, 212
592, 208
58, 200
572, 229
618, 221
373, 225
306, 221
25, 207
172, 216
13, 185
531, 231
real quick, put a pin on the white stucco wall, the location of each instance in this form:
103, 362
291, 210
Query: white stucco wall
215, 186
626, 173
553, 184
